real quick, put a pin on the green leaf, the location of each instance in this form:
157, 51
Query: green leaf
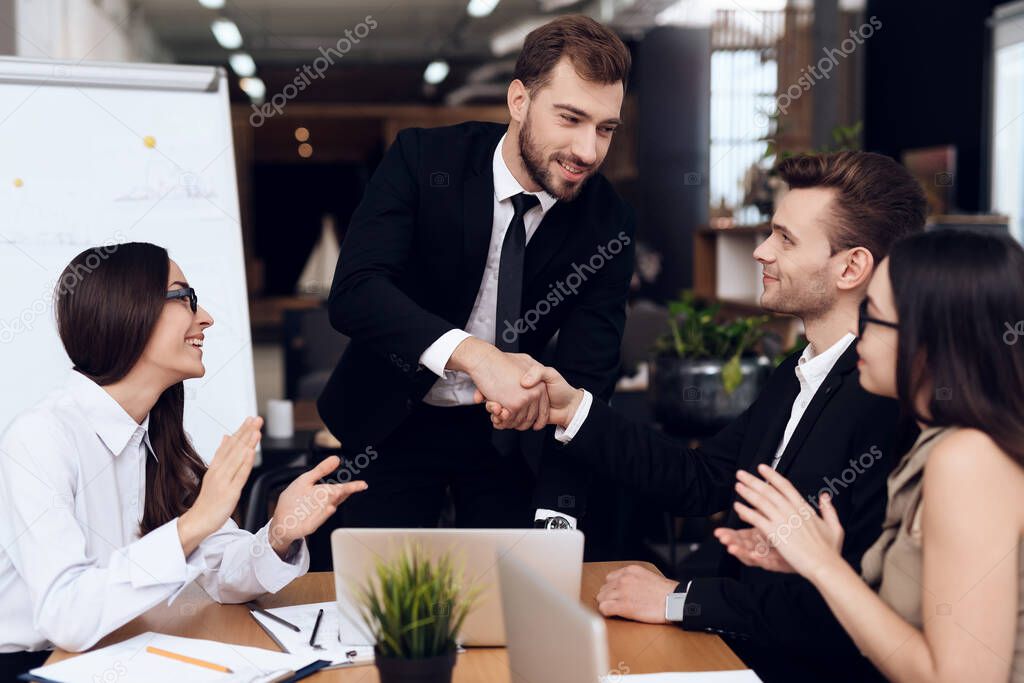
732, 374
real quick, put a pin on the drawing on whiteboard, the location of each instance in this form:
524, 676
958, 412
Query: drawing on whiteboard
149, 141
28, 216
167, 181
18, 182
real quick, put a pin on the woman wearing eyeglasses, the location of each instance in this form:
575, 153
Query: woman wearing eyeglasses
106, 509
940, 594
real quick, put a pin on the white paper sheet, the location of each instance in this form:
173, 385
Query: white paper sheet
329, 636
128, 662
740, 676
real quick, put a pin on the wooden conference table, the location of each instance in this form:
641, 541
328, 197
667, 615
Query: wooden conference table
643, 648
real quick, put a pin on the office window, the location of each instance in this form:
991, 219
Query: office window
744, 82
1007, 173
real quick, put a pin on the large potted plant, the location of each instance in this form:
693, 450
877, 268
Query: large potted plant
414, 608
706, 370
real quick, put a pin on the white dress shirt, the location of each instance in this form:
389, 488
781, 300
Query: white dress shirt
811, 370
456, 388
72, 565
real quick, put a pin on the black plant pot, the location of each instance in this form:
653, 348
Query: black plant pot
689, 397
430, 670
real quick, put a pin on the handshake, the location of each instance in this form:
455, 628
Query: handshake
519, 392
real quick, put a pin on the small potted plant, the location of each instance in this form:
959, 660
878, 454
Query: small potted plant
706, 371
414, 608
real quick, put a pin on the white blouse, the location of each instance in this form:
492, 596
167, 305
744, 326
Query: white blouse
72, 565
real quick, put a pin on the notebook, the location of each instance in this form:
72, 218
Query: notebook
129, 662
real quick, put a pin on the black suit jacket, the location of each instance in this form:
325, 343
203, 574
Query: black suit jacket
843, 443
411, 266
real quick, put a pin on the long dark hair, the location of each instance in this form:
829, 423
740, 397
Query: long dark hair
107, 301
955, 294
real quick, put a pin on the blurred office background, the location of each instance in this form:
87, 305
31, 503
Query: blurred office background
720, 89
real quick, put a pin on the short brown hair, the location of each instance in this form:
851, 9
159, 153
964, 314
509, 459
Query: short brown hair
877, 200
595, 51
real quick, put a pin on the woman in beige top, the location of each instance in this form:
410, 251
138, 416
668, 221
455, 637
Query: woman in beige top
940, 597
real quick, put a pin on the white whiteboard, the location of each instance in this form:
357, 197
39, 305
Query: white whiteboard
103, 153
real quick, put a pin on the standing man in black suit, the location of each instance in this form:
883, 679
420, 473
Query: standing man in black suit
813, 423
472, 247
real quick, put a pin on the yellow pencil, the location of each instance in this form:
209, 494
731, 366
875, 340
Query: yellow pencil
187, 660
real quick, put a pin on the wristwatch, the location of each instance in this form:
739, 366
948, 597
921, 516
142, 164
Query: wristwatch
553, 522
674, 605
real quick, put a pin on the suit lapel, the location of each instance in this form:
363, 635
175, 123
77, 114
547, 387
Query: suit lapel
771, 431
477, 222
829, 388
776, 426
546, 241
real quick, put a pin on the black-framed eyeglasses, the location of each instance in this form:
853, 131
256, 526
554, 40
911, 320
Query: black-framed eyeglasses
185, 293
863, 319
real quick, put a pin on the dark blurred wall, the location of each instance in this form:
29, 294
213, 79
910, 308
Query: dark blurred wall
289, 201
673, 78
927, 83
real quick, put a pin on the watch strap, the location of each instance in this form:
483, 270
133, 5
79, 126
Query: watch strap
675, 604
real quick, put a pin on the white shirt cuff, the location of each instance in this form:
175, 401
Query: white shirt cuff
158, 558
272, 572
544, 513
437, 354
566, 435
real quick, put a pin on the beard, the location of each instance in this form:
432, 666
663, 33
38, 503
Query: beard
538, 169
810, 298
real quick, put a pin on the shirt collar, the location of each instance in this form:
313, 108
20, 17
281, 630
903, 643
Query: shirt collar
506, 185
115, 427
815, 367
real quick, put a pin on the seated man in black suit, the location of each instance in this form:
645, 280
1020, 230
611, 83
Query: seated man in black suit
472, 247
813, 423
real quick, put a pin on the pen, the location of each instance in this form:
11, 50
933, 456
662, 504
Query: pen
256, 608
316, 627
187, 659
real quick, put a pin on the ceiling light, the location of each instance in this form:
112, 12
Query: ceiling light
436, 72
242, 64
511, 39
212, 4
226, 33
481, 8
255, 88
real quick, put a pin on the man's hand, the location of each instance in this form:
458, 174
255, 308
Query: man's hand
562, 397
635, 593
498, 376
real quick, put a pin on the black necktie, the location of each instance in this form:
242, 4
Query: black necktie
510, 275
510, 297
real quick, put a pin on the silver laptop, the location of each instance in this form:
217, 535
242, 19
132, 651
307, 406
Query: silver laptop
555, 554
551, 637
